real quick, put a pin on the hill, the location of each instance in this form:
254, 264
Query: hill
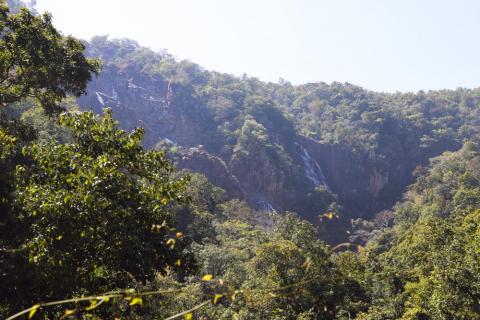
311, 149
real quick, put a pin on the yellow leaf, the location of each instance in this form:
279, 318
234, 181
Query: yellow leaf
234, 295
33, 311
92, 305
178, 262
207, 277
216, 297
136, 301
189, 316
104, 298
171, 243
69, 312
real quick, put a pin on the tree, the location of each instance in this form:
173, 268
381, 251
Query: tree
38, 61
97, 211
301, 267
429, 268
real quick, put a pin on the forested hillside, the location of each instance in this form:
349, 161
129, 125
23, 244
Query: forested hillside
171, 192
313, 147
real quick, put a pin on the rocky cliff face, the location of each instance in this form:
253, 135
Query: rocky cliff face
160, 107
362, 187
197, 159
150, 102
173, 111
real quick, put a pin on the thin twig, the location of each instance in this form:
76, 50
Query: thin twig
118, 294
123, 293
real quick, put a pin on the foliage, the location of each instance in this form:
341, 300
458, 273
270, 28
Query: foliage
85, 208
37, 61
429, 270
89, 204
368, 144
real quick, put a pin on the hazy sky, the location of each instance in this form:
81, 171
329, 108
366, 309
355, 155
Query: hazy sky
383, 45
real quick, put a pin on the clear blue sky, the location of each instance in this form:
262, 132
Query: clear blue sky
383, 45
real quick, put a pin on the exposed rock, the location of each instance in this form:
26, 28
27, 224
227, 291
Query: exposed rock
377, 183
197, 159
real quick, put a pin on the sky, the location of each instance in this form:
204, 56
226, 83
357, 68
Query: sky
382, 45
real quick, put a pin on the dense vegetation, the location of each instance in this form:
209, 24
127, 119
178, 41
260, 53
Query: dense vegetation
367, 144
89, 209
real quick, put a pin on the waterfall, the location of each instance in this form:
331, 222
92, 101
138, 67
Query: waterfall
114, 94
100, 99
267, 206
169, 141
132, 85
313, 171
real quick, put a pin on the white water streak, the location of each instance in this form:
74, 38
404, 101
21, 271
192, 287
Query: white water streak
100, 99
312, 169
267, 206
